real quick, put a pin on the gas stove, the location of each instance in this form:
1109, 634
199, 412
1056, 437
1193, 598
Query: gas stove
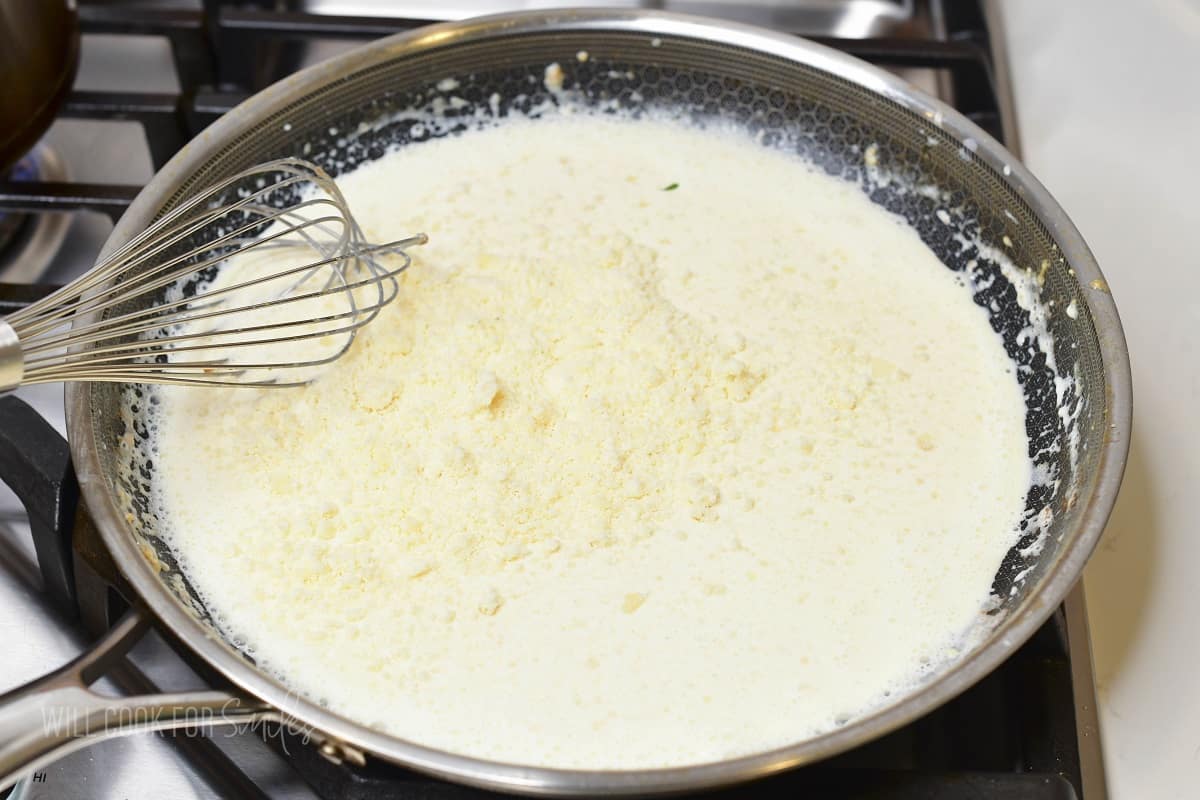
154, 75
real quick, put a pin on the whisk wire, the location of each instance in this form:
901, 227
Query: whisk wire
226, 288
154, 240
148, 281
100, 332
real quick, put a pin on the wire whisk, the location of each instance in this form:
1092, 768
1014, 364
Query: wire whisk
253, 281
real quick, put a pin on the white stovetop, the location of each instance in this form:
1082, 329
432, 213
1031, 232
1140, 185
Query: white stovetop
1108, 102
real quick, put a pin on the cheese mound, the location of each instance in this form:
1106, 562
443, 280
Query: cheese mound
671, 449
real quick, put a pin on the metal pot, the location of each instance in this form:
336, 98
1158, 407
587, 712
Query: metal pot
39, 51
832, 108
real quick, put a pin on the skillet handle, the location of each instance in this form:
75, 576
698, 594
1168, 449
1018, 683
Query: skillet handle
57, 714
35, 462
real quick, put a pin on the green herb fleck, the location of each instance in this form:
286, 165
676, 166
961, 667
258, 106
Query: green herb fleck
670, 187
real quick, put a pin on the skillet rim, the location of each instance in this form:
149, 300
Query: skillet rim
1059, 578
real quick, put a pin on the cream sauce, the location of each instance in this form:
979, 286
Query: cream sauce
672, 449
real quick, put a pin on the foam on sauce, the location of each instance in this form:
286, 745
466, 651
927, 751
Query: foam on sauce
671, 449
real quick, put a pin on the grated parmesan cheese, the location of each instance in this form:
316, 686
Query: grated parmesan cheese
625, 477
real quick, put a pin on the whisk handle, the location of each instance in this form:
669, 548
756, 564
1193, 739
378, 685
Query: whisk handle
12, 360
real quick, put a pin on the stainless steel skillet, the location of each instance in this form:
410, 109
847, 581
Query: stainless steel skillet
849, 118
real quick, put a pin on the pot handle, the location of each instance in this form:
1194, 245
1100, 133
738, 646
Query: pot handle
56, 714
